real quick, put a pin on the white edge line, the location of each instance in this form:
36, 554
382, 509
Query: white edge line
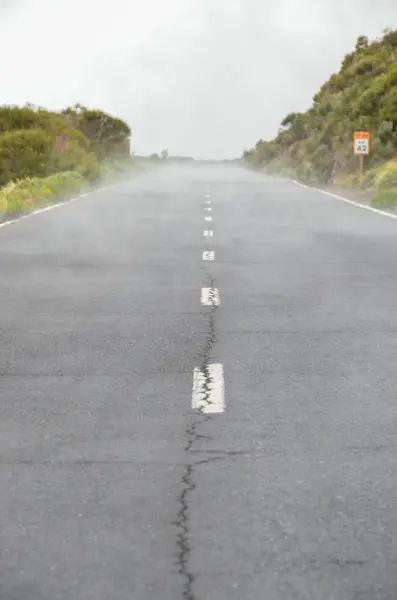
52, 206
57, 205
370, 208
37, 212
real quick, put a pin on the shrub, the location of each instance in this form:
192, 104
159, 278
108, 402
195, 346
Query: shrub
305, 173
387, 178
385, 198
65, 183
107, 172
24, 153
77, 159
30, 193
347, 180
369, 178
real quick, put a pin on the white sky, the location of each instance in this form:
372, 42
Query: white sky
204, 78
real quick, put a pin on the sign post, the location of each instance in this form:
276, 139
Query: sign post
361, 149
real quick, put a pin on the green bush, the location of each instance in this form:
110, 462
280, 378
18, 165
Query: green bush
24, 153
387, 178
109, 136
348, 180
17, 118
305, 173
78, 159
369, 178
65, 183
107, 172
31, 193
385, 198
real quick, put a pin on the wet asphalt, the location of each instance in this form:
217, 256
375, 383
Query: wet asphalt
112, 487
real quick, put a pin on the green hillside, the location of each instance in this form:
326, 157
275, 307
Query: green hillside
317, 146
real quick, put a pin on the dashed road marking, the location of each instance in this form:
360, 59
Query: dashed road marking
209, 219
210, 297
208, 233
207, 202
208, 395
208, 209
208, 255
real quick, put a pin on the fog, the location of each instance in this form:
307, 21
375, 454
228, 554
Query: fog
205, 78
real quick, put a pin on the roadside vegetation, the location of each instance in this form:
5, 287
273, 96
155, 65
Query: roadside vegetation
316, 147
46, 156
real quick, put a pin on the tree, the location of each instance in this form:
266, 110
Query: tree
109, 136
390, 38
289, 120
24, 153
362, 43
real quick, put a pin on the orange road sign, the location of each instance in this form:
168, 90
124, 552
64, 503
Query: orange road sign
361, 142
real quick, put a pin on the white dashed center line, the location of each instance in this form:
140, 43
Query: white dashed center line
208, 209
210, 297
209, 219
208, 255
208, 394
208, 233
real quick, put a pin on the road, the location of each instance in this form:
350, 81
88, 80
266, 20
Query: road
173, 428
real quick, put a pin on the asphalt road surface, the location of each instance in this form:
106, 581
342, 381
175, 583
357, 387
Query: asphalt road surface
180, 426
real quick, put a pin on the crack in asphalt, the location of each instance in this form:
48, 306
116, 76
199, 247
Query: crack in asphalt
188, 484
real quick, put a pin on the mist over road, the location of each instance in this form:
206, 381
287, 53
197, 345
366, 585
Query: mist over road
198, 394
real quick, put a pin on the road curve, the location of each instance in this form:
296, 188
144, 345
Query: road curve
198, 394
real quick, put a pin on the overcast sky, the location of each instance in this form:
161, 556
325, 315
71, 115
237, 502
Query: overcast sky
204, 78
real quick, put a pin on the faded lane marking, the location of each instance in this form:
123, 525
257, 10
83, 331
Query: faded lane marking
208, 395
209, 219
208, 209
210, 297
208, 255
208, 233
